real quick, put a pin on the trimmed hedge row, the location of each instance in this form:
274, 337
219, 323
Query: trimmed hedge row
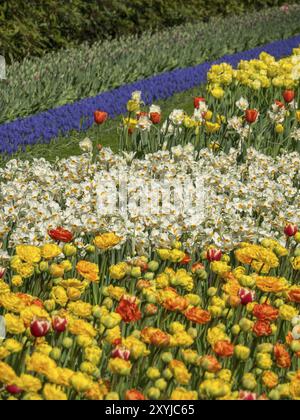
34, 26
64, 77
46, 126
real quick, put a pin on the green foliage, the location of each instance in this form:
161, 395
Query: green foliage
31, 27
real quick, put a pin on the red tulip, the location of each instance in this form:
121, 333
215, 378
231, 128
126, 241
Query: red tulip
251, 115
2, 272
186, 260
100, 117
128, 309
121, 353
289, 96
291, 230
40, 328
14, 390
59, 324
197, 102
214, 255
246, 296
61, 235
155, 118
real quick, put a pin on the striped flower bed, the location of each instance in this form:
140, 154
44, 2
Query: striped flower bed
43, 127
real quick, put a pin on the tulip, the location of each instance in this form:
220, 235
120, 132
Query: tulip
214, 255
155, 118
186, 260
14, 390
61, 235
59, 324
246, 296
121, 353
197, 102
100, 117
291, 230
289, 96
40, 328
251, 116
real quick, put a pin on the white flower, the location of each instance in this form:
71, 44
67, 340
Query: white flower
154, 109
296, 332
136, 96
177, 116
86, 145
144, 124
242, 104
296, 321
235, 123
296, 134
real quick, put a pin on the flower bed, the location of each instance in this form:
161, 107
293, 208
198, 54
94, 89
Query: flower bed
163, 326
47, 125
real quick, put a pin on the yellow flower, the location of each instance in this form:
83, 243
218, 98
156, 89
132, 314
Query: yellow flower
81, 382
98, 392
60, 296
14, 324
180, 372
4, 288
137, 348
93, 354
296, 263
29, 254
4, 353
279, 128
264, 361
50, 251
119, 271
294, 389
7, 374
261, 259
53, 393
119, 367
214, 388
17, 281
270, 379
29, 383
40, 363
80, 309
218, 93
164, 254
88, 271
13, 346
287, 312
107, 241
212, 127
25, 270
111, 320
181, 394
80, 327
216, 334
176, 256
116, 292
298, 115
242, 352
112, 335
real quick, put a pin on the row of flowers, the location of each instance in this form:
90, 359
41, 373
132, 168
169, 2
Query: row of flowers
44, 127
168, 325
220, 202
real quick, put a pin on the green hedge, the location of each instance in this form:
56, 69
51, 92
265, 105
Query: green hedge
61, 77
29, 27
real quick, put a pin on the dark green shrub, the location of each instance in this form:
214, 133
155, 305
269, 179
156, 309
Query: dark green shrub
29, 27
